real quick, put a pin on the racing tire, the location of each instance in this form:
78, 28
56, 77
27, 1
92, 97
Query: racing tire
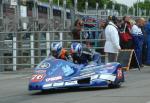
117, 85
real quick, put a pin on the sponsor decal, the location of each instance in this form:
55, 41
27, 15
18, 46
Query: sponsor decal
83, 76
58, 84
47, 85
59, 65
40, 71
110, 64
56, 67
91, 68
94, 77
44, 65
119, 73
107, 77
37, 77
104, 71
110, 67
86, 72
54, 78
70, 83
67, 70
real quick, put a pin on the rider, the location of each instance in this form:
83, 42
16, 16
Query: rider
79, 55
59, 52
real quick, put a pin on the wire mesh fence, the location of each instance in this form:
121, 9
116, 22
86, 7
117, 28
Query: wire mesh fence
25, 49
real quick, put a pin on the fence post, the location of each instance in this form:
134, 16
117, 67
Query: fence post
48, 44
32, 50
86, 7
64, 14
1, 38
14, 52
48, 34
75, 7
61, 37
133, 11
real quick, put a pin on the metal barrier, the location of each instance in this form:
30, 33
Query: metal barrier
21, 49
25, 49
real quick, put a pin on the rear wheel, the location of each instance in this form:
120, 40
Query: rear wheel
116, 85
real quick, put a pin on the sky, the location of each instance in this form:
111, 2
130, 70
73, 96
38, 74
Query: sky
127, 2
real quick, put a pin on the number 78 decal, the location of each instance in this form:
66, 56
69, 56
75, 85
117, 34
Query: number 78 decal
37, 77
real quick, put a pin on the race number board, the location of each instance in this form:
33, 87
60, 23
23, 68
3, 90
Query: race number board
125, 56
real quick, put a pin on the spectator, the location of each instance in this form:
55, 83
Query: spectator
144, 49
112, 39
138, 39
125, 34
77, 29
147, 31
102, 25
132, 22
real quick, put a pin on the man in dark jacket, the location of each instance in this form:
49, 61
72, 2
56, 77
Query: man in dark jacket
147, 31
77, 29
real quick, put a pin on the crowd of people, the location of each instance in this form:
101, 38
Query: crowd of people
125, 33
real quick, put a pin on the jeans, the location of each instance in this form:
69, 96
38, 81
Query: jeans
138, 45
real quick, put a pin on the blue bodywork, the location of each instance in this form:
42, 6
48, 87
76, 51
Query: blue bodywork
56, 73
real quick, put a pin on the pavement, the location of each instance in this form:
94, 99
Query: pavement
15, 74
14, 89
22, 71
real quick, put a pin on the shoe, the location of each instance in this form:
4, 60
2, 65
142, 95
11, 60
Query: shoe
141, 65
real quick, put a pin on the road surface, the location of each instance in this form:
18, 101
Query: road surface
136, 89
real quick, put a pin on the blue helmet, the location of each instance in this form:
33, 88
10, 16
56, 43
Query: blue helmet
76, 48
56, 46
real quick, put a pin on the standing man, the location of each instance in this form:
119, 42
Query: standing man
112, 39
138, 38
147, 31
76, 31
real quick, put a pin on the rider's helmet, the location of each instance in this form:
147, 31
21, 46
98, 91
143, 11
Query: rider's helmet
76, 48
56, 48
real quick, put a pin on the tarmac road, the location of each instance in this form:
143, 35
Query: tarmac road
136, 89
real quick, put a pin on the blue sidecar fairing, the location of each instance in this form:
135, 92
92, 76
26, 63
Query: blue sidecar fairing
56, 73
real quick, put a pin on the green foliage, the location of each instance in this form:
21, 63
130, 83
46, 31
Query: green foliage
43, 0
143, 5
81, 3
91, 4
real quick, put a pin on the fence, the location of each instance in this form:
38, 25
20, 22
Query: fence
25, 49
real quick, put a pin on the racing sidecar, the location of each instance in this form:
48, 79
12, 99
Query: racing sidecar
57, 73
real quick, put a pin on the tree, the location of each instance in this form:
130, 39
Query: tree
81, 3
143, 6
91, 4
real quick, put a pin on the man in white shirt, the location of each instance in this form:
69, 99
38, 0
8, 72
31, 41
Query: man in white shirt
138, 38
112, 39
